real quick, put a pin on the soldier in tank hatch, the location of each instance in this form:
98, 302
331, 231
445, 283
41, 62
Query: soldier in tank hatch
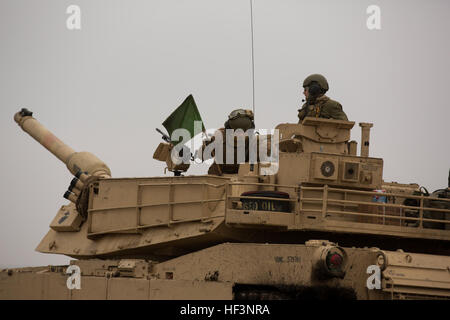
317, 103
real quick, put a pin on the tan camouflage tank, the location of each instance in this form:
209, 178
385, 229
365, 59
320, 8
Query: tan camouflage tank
325, 225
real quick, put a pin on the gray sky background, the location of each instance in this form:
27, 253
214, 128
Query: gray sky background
106, 87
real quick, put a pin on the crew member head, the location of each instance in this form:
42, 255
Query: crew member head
240, 119
314, 86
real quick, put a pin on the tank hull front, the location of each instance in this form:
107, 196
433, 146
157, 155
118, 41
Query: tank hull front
239, 271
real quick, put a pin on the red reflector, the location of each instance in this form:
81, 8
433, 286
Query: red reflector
336, 260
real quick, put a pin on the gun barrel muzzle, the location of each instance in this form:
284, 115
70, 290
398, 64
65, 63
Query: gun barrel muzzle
35, 129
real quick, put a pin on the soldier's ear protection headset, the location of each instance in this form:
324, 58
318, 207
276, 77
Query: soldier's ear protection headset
315, 89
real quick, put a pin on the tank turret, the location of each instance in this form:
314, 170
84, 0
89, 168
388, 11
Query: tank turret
320, 187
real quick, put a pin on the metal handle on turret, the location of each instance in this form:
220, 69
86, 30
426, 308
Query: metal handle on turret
75, 161
365, 138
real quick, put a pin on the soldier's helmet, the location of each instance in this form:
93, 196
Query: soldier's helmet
240, 119
316, 78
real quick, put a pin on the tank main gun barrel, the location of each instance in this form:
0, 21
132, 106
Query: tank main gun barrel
76, 162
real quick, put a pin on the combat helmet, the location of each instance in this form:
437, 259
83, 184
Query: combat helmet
319, 79
240, 119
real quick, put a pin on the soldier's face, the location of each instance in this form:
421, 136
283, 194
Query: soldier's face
306, 92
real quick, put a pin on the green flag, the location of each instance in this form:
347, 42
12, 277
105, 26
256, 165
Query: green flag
184, 117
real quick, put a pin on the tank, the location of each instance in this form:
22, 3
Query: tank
325, 225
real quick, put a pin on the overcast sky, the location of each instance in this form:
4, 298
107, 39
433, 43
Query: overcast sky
106, 87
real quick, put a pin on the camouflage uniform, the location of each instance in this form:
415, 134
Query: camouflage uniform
323, 107
318, 104
238, 119
219, 169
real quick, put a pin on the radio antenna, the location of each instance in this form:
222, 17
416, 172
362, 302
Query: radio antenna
253, 58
